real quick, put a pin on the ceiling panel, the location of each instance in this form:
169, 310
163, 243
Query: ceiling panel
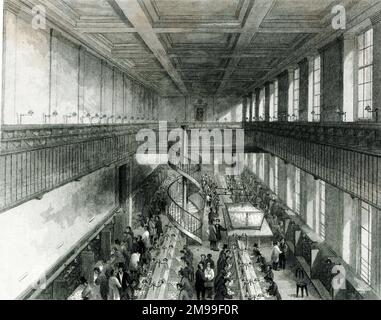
197, 8
96, 8
301, 8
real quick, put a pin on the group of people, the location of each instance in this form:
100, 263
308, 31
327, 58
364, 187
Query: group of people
209, 187
267, 270
274, 211
211, 280
119, 277
264, 199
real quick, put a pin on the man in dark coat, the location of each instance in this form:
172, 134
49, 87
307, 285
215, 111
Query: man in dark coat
273, 290
219, 228
213, 237
200, 282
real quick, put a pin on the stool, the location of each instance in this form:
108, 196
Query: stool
303, 286
300, 283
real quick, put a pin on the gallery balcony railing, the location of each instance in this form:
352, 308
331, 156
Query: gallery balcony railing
35, 159
346, 155
355, 136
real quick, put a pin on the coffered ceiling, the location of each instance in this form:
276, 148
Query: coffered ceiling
197, 47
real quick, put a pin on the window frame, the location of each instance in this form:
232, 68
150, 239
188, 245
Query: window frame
276, 100
316, 108
365, 85
296, 94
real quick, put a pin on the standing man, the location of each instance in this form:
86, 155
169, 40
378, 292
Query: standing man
283, 255
275, 255
200, 282
213, 237
219, 228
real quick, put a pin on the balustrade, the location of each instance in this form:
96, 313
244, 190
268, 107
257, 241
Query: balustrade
347, 156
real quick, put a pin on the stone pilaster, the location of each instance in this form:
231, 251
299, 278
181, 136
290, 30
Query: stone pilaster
267, 102
106, 243
87, 265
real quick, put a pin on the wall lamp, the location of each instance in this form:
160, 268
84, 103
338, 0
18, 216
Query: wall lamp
102, 116
68, 116
342, 115
29, 114
46, 116
86, 115
371, 110
109, 118
96, 116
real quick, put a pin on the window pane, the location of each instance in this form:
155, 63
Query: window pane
361, 58
368, 92
361, 41
368, 38
368, 74
364, 238
361, 92
361, 76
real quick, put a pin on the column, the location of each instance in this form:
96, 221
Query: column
257, 100
283, 88
303, 91
376, 19
251, 107
105, 243
267, 101
119, 225
271, 101
244, 109
87, 265
349, 77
